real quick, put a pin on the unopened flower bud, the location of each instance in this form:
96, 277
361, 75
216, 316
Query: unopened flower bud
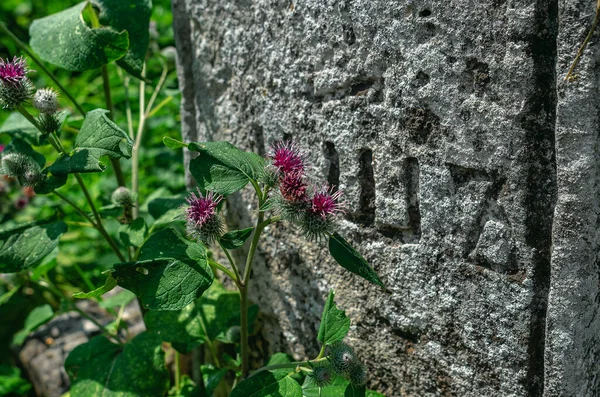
46, 100
14, 164
341, 357
122, 197
357, 374
49, 122
321, 374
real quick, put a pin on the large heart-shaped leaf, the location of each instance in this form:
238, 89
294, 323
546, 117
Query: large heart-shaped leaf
102, 368
351, 260
222, 168
98, 137
26, 245
64, 39
169, 274
133, 16
339, 387
334, 323
268, 384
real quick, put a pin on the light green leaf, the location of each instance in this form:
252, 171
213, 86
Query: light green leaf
109, 284
24, 246
170, 272
339, 387
334, 323
98, 137
38, 316
133, 16
236, 238
268, 384
102, 368
120, 299
63, 39
11, 382
211, 377
17, 126
222, 168
173, 143
351, 260
279, 358
133, 234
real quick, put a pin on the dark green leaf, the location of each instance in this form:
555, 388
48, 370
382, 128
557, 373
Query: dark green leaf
109, 284
17, 126
222, 168
64, 39
236, 238
160, 205
169, 274
38, 316
173, 143
334, 323
133, 234
98, 137
268, 384
51, 183
187, 388
25, 246
101, 368
211, 377
351, 260
133, 16
183, 329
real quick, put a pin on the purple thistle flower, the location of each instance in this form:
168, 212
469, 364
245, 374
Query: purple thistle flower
326, 202
203, 222
293, 187
287, 157
13, 72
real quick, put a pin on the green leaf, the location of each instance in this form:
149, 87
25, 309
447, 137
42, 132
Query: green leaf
50, 183
351, 260
17, 126
98, 137
339, 387
170, 272
63, 39
172, 143
160, 205
109, 284
120, 299
183, 329
334, 323
47, 264
279, 358
211, 377
133, 234
24, 246
11, 382
236, 238
268, 384
102, 368
224, 169
133, 16
38, 316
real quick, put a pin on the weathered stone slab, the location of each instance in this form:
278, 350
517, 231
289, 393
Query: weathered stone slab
438, 120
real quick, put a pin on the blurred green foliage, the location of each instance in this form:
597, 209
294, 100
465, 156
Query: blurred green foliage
83, 254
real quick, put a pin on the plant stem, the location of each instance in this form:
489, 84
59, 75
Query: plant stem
294, 364
585, 42
177, 369
136, 145
111, 115
232, 263
224, 270
31, 55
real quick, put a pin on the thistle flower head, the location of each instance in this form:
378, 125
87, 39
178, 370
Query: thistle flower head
287, 157
46, 100
13, 71
15, 87
203, 222
326, 202
122, 197
357, 374
293, 187
321, 374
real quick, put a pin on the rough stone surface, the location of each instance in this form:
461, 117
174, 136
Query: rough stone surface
470, 172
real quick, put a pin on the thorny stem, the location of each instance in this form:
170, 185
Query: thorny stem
30, 54
585, 42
